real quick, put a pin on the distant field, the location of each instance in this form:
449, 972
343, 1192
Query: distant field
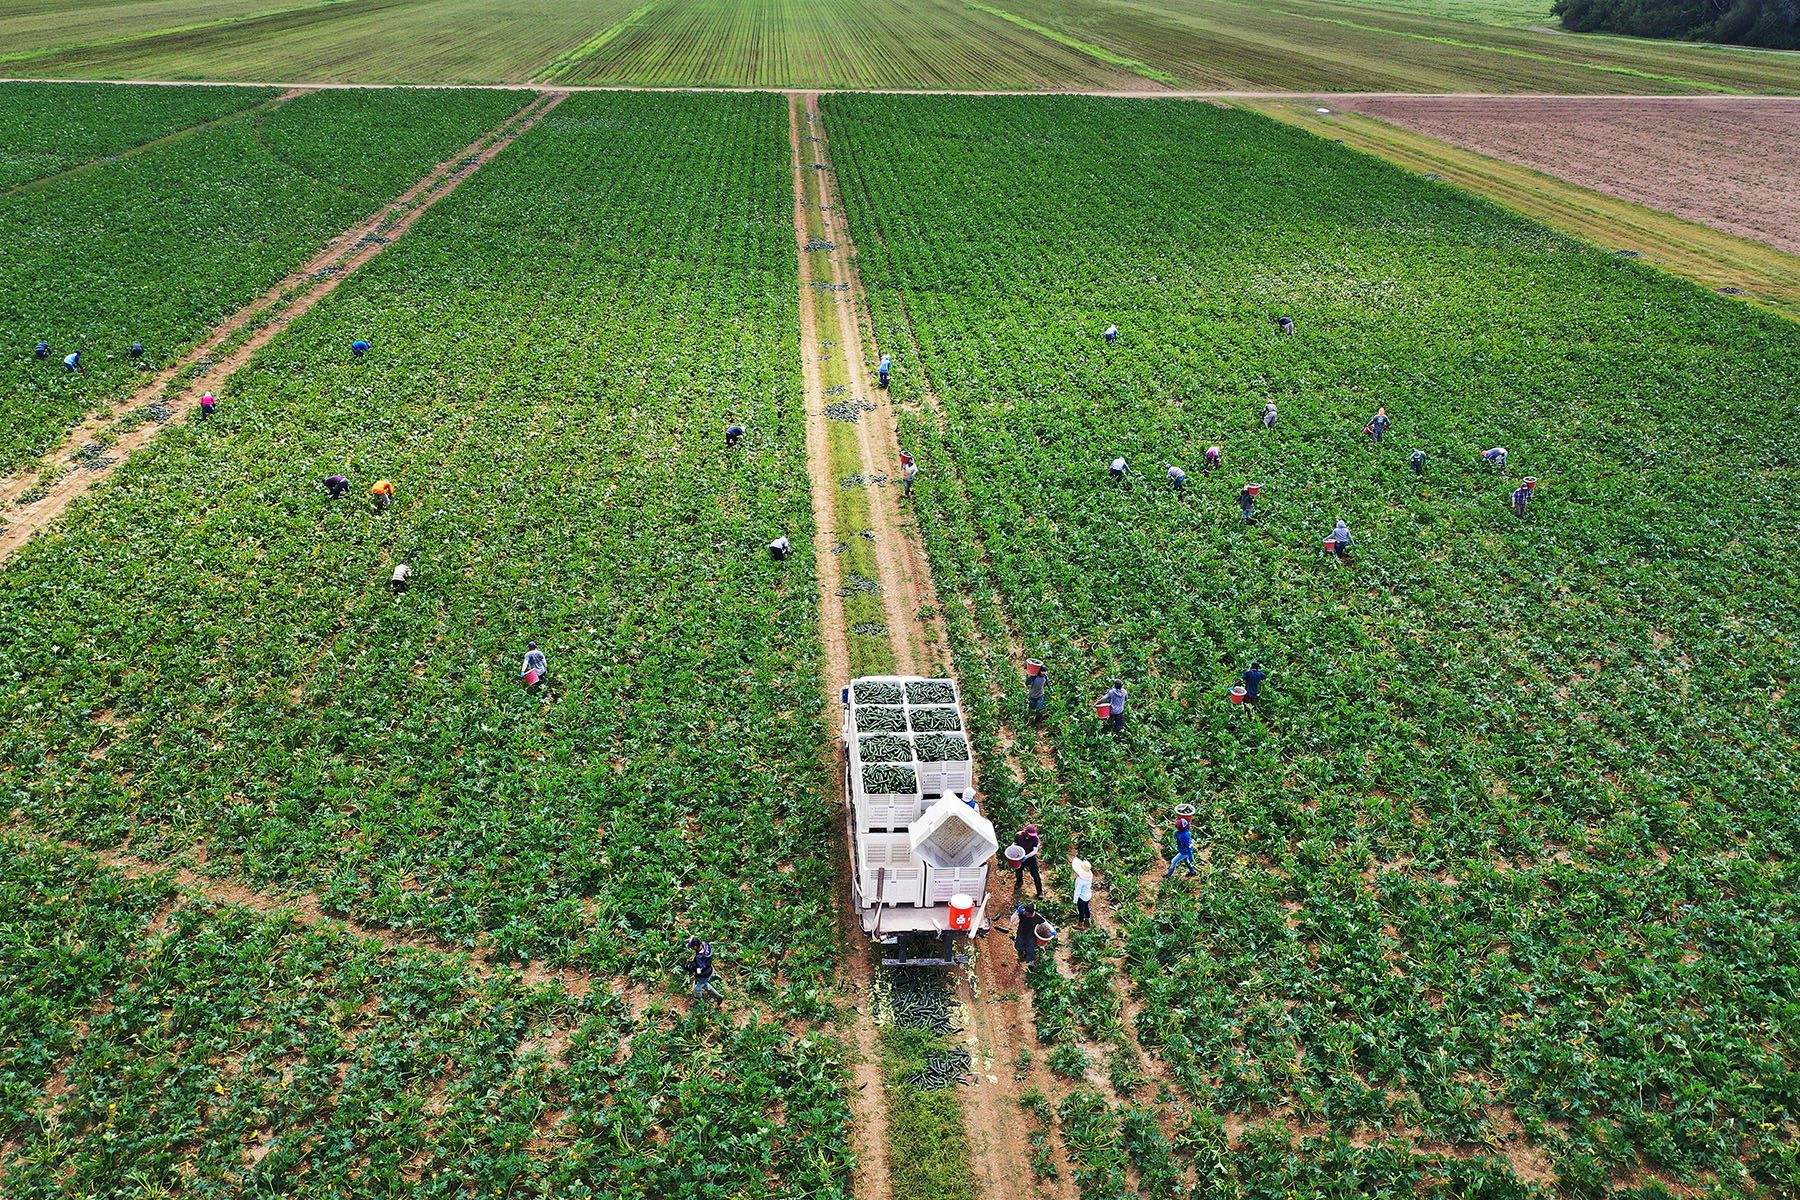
1396, 45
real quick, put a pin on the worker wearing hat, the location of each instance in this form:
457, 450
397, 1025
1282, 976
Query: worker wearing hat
1184, 848
1027, 840
1084, 890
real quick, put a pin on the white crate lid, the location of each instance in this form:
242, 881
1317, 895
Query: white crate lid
951, 834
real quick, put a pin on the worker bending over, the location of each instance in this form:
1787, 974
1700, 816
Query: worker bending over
402, 577
1269, 415
382, 492
1214, 455
1285, 324
1417, 462
207, 404
359, 347
779, 549
535, 666
1118, 470
885, 368
1495, 457
336, 486
734, 433
1177, 476
72, 363
1111, 335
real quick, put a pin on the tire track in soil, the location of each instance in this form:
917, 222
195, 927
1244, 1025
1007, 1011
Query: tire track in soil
868, 1100
262, 320
1000, 1025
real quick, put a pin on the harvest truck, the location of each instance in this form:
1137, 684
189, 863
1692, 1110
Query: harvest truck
919, 845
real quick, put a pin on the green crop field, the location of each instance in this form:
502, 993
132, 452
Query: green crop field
1405, 45
306, 891
1504, 863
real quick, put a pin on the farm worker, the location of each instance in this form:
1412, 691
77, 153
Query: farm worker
42, 350
779, 548
705, 979
1247, 503
137, 350
1253, 681
1285, 324
908, 473
1112, 334
1116, 696
1177, 476
734, 433
207, 404
1118, 470
1378, 426
72, 362
1340, 539
1026, 920
906, 458
1184, 848
359, 347
885, 368
536, 666
1084, 889
1495, 457
1213, 456
1269, 415
1417, 461
1027, 840
402, 576
383, 492
1037, 691
337, 485
1521, 499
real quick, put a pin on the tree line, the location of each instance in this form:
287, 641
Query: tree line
1772, 23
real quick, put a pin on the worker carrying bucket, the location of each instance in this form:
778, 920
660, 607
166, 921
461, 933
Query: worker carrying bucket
1521, 497
1037, 689
1247, 501
535, 667
1339, 541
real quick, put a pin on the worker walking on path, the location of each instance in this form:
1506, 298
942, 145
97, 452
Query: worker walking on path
1247, 502
1177, 477
1115, 699
1253, 681
780, 548
1270, 414
1521, 500
1379, 425
908, 473
1111, 335
359, 347
336, 486
884, 369
1339, 541
1184, 849
701, 968
734, 433
402, 578
382, 493
1214, 456
207, 404
535, 667
1417, 462
1027, 840
1084, 890
1037, 691
72, 363
1495, 457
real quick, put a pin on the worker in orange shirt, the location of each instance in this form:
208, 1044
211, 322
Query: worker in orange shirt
382, 493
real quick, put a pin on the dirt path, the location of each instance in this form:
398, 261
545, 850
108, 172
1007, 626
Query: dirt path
36, 497
868, 1100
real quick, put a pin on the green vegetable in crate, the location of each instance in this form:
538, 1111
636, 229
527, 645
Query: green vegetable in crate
936, 720
885, 749
878, 693
930, 691
884, 779
880, 720
941, 747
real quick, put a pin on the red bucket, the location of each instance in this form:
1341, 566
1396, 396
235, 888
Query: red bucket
1045, 935
962, 912
1255, 489
531, 678
1531, 483
1033, 667
1015, 855
1103, 710
1330, 545
1238, 694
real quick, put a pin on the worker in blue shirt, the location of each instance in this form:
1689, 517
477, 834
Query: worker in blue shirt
42, 351
359, 347
1116, 696
1112, 334
1521, 500
72, 363
885, 368
1418, 462
1184, 848
1253, 681
734, 433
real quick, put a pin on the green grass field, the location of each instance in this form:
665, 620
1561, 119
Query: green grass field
1406, 45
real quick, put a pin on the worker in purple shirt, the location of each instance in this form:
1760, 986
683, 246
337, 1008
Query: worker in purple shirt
1116, 696
1521, 500
1184, 848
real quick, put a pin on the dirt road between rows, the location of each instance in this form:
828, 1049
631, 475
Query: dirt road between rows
1729, 162
35, 498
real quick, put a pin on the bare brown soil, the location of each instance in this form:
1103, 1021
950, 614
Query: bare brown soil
226, 349
1731, 163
